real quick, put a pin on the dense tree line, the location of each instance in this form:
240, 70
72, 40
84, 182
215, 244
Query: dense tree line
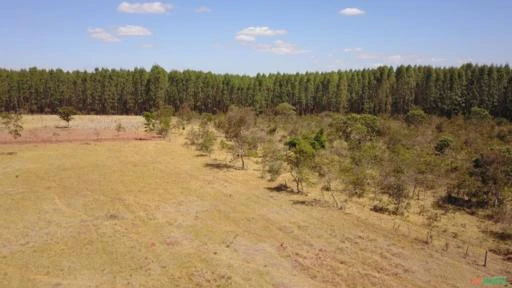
380, 91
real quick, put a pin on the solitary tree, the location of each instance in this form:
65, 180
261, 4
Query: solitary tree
13, 123
66, 114
301, 156
237, 124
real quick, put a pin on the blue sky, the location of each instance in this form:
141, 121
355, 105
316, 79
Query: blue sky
253, 36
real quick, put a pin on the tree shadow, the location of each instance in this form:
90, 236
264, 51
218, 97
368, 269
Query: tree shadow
218, 166
281, 188
312, 203
500, 235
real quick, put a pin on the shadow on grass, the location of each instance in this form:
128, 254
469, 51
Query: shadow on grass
312, 203
8, 153
500, 235
218, 166
281, 188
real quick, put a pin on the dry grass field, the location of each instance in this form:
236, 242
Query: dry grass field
158, 214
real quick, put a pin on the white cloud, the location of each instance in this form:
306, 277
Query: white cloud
352, 12
392, 59
462, 61
203, 9
261, 31
101, 34
395, 58
249, 37
435, 59
366, 56
131, 30
144, 8
353, 49
280, 47
245, 38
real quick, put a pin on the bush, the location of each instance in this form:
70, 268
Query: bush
443, 144
273, 160
357, 129
416, 117
120, 128
397, 191
66, 114
159, 121
284, 109
479, 115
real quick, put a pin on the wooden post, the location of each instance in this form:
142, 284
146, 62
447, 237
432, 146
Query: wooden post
485, 260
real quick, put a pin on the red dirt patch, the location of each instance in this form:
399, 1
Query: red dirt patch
60, 135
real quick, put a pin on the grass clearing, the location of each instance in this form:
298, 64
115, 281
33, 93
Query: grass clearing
154, 214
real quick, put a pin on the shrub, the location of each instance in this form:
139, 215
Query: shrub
159, 121
357, 129
396, 189
479, 115
66, 114
443, 144
273, 160
416, 117
207, 142
284, 109
120, 128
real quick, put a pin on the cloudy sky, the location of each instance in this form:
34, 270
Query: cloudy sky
253, 36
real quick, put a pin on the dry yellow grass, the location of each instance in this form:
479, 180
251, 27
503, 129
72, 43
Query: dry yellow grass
84, 122
156, 214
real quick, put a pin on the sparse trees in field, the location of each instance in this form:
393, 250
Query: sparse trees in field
66, 114
13, 123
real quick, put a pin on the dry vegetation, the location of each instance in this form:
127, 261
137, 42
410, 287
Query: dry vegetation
160, 214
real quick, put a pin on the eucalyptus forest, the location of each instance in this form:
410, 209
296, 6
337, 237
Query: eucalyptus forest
381, 91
